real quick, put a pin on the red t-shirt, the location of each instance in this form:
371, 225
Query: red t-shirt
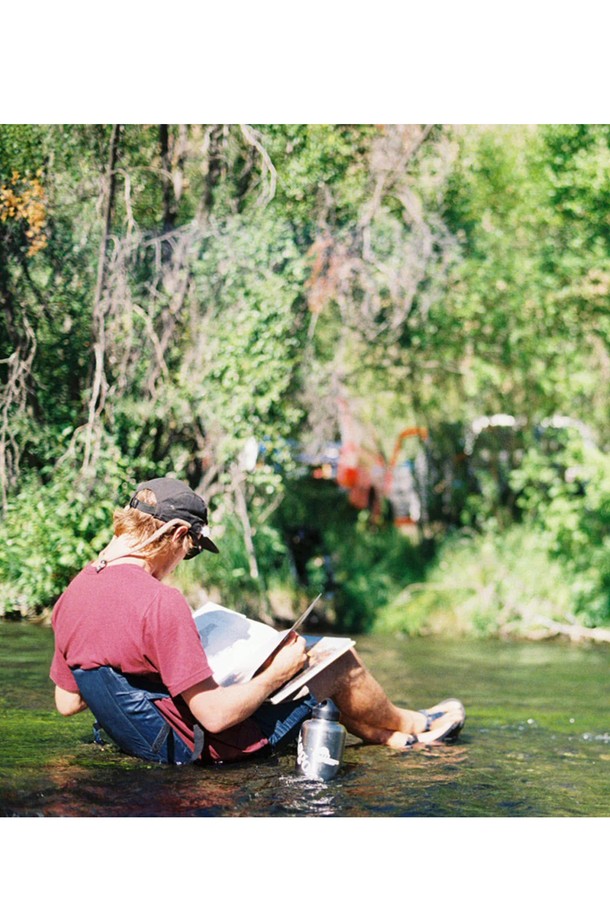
124, 618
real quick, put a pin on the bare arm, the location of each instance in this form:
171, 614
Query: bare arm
218, 708
68, 703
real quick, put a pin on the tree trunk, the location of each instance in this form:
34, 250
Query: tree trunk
15, 380
169, 200
99, 383
241, 508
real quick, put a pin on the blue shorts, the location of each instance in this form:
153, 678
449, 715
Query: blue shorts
280, 723
125, 708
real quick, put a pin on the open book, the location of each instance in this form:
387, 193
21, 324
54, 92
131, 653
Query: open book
237, 647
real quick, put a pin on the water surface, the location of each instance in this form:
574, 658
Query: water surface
536, 743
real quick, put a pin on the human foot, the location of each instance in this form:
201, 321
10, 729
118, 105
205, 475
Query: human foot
443, 722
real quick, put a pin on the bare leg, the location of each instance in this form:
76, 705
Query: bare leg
365, 709
371, 734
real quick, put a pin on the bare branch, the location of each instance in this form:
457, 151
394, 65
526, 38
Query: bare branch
14, 399
253, 138
100, 386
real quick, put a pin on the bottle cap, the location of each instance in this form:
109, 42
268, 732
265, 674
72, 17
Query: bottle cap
327, 710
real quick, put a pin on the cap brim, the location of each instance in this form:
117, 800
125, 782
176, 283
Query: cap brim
209, 545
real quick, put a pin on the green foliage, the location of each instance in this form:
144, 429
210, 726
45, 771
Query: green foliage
320, 166
360, 565
496, 583
253, 274
226, 577
21, 149
52, 529
566, 496
372, 566
241, 372
498, 208
530, 275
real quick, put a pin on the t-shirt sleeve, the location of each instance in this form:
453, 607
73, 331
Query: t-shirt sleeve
172, 643
61, 674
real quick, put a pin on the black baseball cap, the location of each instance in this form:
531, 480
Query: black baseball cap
177, 500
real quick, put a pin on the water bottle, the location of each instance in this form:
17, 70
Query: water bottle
321, 743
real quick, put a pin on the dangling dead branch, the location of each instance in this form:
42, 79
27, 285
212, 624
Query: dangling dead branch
376, 272
12, 412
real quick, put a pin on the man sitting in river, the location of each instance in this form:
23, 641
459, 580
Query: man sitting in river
127, 648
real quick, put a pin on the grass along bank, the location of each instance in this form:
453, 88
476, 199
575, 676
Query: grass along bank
495, 584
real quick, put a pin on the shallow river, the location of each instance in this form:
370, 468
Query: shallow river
536, 744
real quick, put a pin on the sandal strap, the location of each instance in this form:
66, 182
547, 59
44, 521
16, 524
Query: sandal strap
430, 717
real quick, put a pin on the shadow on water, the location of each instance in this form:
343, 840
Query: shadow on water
536, 744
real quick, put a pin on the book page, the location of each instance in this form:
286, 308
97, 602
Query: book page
235, 645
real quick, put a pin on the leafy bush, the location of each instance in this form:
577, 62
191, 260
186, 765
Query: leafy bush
553, 565
359, 565
226, 576
372, 567
566, 496
496, 583
51, 530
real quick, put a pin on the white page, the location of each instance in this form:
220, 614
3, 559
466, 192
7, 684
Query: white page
235, 645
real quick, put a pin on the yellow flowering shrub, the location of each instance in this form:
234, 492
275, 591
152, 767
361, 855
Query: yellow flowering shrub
24, 199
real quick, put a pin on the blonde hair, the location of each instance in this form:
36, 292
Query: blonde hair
139, 526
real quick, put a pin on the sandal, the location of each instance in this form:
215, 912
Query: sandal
448, 705
450, 732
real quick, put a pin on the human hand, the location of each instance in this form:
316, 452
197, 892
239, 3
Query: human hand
289, 659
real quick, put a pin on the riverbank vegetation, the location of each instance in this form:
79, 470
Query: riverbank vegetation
265, 311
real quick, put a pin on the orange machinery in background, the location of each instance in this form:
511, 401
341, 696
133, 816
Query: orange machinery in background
370, 478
